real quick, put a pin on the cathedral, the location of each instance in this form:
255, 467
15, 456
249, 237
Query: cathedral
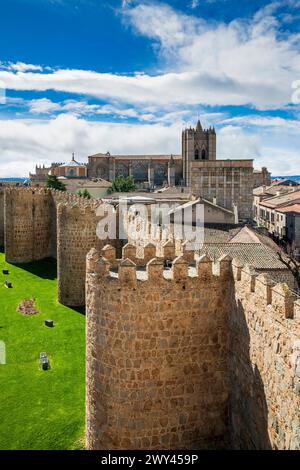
226, 183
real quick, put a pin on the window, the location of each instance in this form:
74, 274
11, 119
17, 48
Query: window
196, 154
203, 154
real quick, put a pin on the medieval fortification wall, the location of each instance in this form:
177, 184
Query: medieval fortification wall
200, 355
204, 357
157, 371
265, 363
39, 223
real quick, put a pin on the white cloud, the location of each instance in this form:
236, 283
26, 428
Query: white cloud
154, 114
272, 142
233, 142
23, 143
209, 63
43, 106
195, 4
246, 62
22, 67
284, 125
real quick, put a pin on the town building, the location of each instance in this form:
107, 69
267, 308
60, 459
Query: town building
261, 177
279, 214
226, 183
72, 169
290, 216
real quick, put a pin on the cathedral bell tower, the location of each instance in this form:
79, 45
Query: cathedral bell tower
197, 144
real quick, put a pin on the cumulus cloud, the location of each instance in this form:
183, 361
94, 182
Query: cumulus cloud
203, 63
23, 143
43, 106
234, 142
21, 67
194, 4
245, 62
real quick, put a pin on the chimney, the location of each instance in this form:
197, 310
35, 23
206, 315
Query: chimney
236, 214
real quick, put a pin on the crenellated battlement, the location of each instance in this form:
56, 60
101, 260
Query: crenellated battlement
196, 354
152, 326
58, 196
40, 223
141, 255
263, 289
154, 270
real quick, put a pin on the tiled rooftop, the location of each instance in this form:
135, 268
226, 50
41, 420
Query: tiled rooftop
257, 255
293, 208
281, 200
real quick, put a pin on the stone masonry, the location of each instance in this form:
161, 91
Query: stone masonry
157, 370
192, 357
76, 234
265, 363
202, 355
39, 223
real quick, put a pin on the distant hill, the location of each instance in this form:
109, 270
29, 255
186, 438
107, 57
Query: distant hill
293, 177
17, 180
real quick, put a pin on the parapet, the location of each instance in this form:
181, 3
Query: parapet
266, 293
126, 270
58, 196
140, 255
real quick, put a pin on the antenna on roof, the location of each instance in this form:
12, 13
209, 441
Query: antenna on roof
73, 157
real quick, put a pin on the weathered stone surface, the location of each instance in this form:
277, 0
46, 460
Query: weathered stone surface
160, 369
263, 360
191, 359
43, 223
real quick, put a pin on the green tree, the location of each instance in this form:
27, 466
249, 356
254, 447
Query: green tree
54, 183
84, 193
122, 184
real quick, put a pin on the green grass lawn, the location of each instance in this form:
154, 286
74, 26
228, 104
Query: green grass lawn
40, 409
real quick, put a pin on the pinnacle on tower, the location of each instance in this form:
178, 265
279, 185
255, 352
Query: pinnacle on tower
199, 127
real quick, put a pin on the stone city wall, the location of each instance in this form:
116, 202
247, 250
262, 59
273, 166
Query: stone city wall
27, 224
193, 357
142, 254
265, 363
76, 233
157, 354
35, 229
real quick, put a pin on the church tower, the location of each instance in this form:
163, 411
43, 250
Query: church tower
197, 144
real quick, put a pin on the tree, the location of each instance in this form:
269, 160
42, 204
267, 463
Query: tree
292, 264
54, 183
122, 184
84, 193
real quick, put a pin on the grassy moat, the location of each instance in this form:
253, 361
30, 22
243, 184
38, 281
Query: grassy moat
40, 409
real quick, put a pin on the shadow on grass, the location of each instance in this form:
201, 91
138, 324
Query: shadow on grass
45, 268
80, 310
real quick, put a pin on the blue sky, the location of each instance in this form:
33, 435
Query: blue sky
126, 76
